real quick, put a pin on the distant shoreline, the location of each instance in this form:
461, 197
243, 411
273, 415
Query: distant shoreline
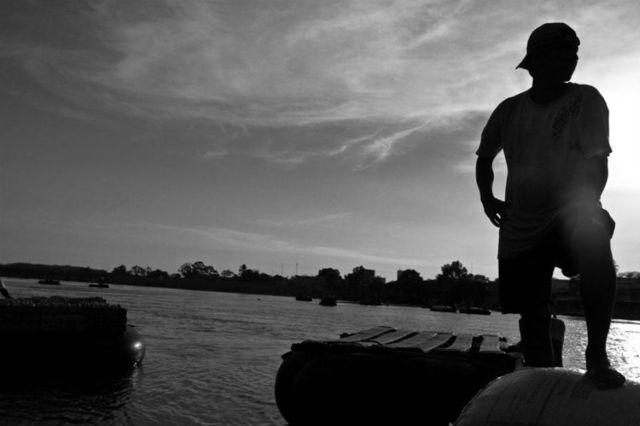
624, 309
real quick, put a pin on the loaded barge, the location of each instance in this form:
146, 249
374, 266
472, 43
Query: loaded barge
67, 335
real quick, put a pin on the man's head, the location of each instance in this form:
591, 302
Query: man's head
552, 52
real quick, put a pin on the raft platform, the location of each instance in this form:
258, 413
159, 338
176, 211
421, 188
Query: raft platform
64, 334
384, 375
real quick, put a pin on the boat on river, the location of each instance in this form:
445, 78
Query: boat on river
328, 301
475, 310
384, 375
99, 284
49, 281
443, 308
44, 335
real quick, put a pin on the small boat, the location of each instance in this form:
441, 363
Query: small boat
328, 301
99, 285
49, 281
304, 298
476, 310
443, 308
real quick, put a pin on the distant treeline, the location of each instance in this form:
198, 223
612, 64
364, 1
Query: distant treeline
453, 286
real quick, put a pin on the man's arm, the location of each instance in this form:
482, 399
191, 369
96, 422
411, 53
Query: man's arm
493, 208
597, 173
593, 140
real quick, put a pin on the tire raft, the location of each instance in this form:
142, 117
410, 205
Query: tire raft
376, 379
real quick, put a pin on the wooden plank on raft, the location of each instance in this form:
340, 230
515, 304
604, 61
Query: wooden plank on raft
367, 334
462, 343
426, 341
415, 341
490, 344
394, 336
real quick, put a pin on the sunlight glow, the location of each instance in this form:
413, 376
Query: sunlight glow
621, 89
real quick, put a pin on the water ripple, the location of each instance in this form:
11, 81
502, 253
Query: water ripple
212, 357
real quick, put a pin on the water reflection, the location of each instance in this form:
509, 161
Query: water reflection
212, 357
56, 398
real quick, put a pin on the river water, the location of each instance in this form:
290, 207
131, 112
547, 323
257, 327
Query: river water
212, 357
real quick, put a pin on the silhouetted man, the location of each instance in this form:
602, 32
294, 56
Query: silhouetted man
555, 138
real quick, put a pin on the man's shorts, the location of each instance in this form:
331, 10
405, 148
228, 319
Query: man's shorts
525, 280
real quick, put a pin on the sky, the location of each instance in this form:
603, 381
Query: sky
332, 133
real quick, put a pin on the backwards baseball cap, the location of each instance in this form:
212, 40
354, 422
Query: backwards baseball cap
552, 34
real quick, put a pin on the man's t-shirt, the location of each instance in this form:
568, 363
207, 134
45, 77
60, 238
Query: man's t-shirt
546, 148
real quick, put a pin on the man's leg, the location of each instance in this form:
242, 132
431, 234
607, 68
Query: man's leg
525, 286
535, 332
597, 290
535, 321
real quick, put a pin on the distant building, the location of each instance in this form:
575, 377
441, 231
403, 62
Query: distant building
368, 273
365, 275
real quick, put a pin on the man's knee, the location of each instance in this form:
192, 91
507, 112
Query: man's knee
593, 229
591, 244
591, 233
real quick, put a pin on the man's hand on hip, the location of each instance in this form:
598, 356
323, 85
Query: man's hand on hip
494, 209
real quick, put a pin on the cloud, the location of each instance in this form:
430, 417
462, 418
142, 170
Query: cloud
303, 222
232, 239
296, 63
322, 219
359, 145
215, 154
361, 152
393, 68
378, 149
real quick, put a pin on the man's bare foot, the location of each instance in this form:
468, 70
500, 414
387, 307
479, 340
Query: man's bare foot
605, 377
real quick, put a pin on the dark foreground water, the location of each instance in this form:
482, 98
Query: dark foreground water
212, 357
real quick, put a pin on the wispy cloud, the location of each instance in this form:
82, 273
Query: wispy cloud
360, 152
260, 63
215, 154
325, 218
389, 71
307, 221
363, 144
378, 149
223, 238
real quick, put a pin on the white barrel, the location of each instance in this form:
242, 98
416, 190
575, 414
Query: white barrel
551, 396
